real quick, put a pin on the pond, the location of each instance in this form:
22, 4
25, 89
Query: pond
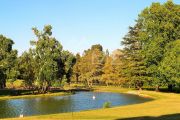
60, 104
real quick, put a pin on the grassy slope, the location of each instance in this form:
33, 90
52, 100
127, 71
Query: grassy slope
164, 104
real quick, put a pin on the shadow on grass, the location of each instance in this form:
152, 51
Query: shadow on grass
17, 92
163, 117
12, 92
174, 90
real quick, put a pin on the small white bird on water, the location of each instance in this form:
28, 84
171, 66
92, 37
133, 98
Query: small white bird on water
21, 115
94, 97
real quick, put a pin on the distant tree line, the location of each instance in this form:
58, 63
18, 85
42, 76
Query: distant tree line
150, 57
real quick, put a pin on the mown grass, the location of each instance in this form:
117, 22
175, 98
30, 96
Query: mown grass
165, 106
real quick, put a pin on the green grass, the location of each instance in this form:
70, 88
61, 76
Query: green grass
165, 106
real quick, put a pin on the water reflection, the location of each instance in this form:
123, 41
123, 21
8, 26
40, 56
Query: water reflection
60, 104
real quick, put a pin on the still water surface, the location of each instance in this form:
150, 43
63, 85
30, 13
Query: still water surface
60, 104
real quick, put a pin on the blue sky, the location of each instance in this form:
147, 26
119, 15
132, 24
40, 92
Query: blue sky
77, 24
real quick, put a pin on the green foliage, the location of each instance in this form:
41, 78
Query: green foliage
26, 67
158, 31
148, 46
64, 80
7, 60
76, 69
134, 67
170, 64
107, 105
47, 54
69, 61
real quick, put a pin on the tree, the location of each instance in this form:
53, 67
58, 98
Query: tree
91, 64
26, 67
170, 65
157, 31
134, 67
112, 70
109, 75
76, 68
146, 42
69, 61
7, 59
47, 53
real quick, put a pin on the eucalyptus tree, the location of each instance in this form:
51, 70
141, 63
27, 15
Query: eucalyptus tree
47, 52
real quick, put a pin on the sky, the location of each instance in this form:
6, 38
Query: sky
77, 24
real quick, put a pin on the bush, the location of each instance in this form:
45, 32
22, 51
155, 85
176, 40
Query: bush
9, 84
19, 83
107, 105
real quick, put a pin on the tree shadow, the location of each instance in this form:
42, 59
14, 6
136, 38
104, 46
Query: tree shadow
165, 90
163, 117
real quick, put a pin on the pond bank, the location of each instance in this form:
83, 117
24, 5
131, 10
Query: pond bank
52, 93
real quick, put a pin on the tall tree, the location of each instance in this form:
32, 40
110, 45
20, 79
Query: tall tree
69, 61
157, 31
134, 67
92, 63
76, 68
7, 59
108, 76
47, 53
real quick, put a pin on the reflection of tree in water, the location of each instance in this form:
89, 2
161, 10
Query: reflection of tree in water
54, 104
10, 108
42, 105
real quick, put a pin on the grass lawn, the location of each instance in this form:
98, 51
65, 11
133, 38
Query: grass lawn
165, 106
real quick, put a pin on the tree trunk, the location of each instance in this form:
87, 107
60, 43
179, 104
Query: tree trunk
157, 88
140, 88
88, 82
44, 88
2, 84
170, 87
77, 78
107, 84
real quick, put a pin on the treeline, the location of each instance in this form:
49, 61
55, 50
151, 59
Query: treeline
151, 56
46, 64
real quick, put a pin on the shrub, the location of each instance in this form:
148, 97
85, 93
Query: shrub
107, 105
19, 83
